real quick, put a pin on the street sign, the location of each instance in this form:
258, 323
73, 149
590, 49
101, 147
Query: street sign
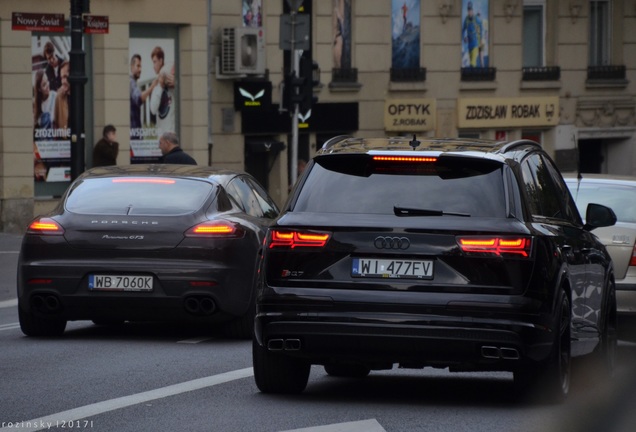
295, 4
43, 22
95, 24
300, 36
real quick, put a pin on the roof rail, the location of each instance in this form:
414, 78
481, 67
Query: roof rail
331, 141
518, 143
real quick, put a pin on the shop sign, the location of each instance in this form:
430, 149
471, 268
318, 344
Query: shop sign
95, 24
508, 112
250, 95
409, 115
41, 22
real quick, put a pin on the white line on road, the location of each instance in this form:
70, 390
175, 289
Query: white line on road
73, 415
11, 326
370, 425
195, 340
8, 303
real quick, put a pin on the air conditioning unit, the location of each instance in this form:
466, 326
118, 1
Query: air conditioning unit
242, 51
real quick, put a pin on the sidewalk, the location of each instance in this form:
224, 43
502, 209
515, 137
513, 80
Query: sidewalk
9, 250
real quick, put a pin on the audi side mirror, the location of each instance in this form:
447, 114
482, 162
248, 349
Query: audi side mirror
597, 216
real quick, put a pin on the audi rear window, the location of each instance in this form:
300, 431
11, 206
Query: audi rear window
138, 196
359, 184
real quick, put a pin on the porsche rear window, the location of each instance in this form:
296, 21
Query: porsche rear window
138, 196
358, 185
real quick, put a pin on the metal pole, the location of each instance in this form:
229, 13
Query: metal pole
77, 78
294, 126
294, 152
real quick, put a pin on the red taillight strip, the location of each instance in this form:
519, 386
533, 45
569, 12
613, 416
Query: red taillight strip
404, 159
496, 245
143, 180
46, 226
294, 239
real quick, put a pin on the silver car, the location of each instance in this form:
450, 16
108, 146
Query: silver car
619, 193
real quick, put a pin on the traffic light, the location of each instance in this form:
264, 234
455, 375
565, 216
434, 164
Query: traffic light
300, 90
293, 91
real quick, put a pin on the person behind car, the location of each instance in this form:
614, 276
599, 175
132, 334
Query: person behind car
172, 151
107, 148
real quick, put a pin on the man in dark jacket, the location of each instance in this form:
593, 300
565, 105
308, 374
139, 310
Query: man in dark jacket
107, 148
172, 151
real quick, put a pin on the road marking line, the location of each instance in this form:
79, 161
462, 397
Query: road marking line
11, 326
370, 425
8, 303
195, 340
91, 410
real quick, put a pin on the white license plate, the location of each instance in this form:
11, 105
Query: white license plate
397, 268
119, 283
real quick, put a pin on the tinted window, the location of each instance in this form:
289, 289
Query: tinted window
245, 196
571, 211
138, 196
355, 184
267, 205
620, 198
543, 197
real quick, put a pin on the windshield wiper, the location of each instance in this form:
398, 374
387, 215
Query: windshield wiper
405, 211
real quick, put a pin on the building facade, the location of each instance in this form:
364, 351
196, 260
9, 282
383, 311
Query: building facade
219, 74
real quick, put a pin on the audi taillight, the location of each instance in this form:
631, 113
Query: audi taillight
45, 226
500, 246
215, 229
410, 159
294, 239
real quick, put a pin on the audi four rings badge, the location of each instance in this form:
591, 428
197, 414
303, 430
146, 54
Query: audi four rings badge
401, 243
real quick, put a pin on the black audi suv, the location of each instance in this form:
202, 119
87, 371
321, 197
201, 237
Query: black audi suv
461, 254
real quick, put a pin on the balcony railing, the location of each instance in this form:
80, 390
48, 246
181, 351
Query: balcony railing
348, 75
606, 72
408, 75
479, 74
541, 73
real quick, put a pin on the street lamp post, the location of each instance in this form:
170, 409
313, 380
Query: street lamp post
77, 79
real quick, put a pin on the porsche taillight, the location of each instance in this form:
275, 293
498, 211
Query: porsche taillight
45, 226
500, 246
215, 229
294, 239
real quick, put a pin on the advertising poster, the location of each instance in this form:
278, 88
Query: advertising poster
253, 13
51, 91
405, 34
475, 33
342, 34
153, 99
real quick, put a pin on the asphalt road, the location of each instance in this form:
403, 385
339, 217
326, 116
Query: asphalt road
150, 377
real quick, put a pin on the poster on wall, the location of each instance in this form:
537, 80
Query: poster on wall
51, 91
341, 34
153, 101
405, 34
475, 15
253, 13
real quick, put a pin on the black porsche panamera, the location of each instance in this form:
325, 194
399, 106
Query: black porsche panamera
451, 253
146, 243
